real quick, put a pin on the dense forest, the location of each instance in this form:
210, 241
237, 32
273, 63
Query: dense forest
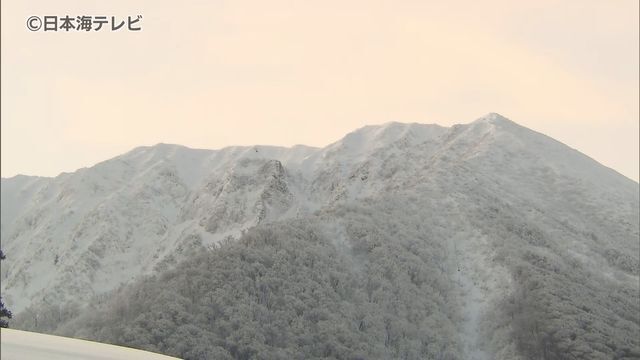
285, 291
376, 281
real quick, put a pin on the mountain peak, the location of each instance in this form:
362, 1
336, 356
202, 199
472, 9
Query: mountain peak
493, 118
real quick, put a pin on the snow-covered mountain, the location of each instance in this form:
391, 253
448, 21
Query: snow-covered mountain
86, 232
71, 237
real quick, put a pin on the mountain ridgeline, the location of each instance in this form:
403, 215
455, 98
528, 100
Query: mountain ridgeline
401, 241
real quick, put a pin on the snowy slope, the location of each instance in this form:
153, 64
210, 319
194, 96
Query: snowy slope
77, 235
24, 345
90, 231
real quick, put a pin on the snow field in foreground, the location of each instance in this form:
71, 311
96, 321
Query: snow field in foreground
24, 345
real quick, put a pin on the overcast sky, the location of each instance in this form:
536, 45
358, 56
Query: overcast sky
210, 74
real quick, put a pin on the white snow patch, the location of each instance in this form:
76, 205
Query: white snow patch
25, 345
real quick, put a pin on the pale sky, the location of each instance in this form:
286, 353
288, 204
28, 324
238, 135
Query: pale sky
209, 74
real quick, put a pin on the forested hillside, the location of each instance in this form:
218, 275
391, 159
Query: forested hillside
388, 280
